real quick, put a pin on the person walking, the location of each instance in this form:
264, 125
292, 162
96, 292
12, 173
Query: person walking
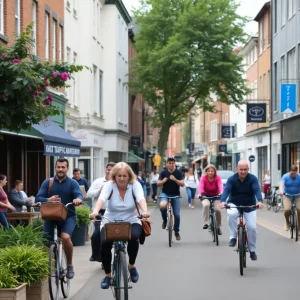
154, 179
266, 183
191, 184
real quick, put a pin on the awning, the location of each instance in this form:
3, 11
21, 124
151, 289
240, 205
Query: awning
57, 142
133, 159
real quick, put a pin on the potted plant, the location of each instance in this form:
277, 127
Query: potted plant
10, 288
82, 222
30, 265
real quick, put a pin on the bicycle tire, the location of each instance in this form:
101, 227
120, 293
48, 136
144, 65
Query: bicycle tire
269, 203
246, 247
122, 278
212, 228
277, 203
170, 228
296, 225
292, 225
53, 279
241, 250
216, 229
64, 281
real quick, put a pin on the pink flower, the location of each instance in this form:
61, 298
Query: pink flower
41, 88
48, 101
3, 96
4, 55
16, 61
35, 93
54, 74
64, 76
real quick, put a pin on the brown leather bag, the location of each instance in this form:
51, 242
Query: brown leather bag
117, 231
53, 211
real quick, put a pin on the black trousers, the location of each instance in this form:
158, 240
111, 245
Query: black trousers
154, 191
96, 239
132, 248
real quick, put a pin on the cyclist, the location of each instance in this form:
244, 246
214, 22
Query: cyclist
66, 190
211, 185
171, 179
242, 188
94, 192
119, 192
290, 184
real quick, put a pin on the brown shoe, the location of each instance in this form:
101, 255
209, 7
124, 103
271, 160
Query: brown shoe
178, 237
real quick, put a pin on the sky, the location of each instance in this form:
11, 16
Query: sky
249, 8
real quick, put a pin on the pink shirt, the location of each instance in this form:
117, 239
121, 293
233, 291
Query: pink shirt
210, 188
3, 199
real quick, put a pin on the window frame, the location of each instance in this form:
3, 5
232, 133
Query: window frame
101, 92
2, 17
18, 17
213, 130
54, 40
47, 36
60, 46
34, 28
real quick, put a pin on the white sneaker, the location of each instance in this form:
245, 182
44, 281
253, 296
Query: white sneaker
190, 205
193, 206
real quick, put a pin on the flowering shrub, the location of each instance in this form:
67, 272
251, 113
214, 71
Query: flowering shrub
24, 96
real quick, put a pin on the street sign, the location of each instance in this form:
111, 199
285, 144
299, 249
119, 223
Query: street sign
256, 112
228, 131
222, 148
251, 158
288, 98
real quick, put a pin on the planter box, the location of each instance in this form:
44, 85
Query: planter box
38, 290
79, 235
18, 293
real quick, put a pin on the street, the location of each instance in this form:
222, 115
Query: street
195, 268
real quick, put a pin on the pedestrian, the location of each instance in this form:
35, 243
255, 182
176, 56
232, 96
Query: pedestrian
4, 202
84, 186
199, 173
15, 197
148, 183
191, 185
266, 183
121, 192
154, 179
141, 180
94, 193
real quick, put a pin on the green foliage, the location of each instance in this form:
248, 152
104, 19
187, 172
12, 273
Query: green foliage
82, 216
22, 235
185, 52
8, 280
24, 95
38, 224
28, 263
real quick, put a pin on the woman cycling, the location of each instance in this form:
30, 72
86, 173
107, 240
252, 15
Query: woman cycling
191, 184
210, 185
119, 193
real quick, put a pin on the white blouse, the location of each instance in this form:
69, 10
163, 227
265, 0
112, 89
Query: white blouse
191, 182
119, 209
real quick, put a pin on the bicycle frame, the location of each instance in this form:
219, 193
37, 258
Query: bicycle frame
294, 215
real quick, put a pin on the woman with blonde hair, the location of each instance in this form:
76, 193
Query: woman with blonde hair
210, 185
119, 193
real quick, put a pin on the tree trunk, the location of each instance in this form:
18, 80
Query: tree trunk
163, 141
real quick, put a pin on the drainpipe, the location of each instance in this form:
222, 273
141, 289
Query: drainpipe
271, 92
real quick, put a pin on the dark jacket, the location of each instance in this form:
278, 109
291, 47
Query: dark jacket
16, 199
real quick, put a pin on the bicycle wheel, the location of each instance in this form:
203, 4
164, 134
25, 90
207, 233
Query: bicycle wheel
212, 227
269, 202
54, 273
170, 227
241, 248
296, 225
245, 248
64, 281
277, 203
292, 225
121, 278
216, 229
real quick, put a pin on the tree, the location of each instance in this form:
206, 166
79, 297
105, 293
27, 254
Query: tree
184, 54
24, 96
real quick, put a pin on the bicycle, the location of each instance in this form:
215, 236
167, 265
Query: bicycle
58, 267
170, 217
293, 216
213, 227
242, 237
278, 203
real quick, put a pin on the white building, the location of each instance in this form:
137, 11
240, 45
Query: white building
97, 112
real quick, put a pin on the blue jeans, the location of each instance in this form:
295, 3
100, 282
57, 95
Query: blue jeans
3, 220
176, 210
191, 192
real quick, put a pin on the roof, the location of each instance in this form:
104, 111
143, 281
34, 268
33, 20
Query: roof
122, 9
263, 11
252, 42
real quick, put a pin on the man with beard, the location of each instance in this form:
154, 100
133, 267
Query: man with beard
62, 189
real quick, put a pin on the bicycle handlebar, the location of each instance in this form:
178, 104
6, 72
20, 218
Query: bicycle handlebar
240, 206
170, 197
210, 197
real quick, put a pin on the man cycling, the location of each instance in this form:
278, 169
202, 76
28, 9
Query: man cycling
290, 184
242, 189
63, 189
171, 179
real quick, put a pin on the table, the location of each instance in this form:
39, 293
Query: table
29, 216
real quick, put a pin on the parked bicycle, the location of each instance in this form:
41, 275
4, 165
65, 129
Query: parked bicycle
293, 216
242, 237
273, 199
170, 218
213, 226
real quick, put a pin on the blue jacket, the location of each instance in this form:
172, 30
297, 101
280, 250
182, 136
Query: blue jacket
67, 190
242, 192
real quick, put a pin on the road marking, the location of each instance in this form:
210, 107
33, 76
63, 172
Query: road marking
275, 228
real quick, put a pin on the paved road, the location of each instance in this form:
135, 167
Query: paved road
195, 269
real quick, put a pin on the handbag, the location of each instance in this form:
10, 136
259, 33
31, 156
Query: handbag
119, 231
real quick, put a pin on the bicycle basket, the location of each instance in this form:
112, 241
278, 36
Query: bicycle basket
117, 231
53, 211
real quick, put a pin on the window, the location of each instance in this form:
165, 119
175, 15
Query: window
291, 64
255, 53
33, 33
95, 71
291, 8
75, 8
17, 17
213, 130
269, 85
283, 71
255, 90
275, 15
2, 16
47, 37
275, 87
60, 49
226, 118
119, 101
98, 21
101, 93
95, 19
261, 36
68, 55
54, 40
283, 12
